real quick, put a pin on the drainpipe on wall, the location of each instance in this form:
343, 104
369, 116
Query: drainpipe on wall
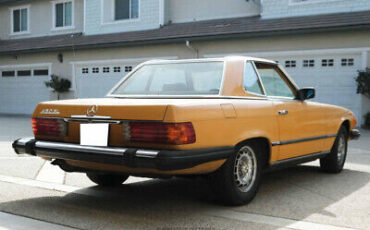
192, 48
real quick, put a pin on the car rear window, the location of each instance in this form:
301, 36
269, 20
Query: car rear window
193, 78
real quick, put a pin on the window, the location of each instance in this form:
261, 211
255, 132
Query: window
63, 14
20, 20
85, 70
308, 63
200, 78
126, 9
8, 73
347, 61
274, 81
251, 82
327, 62
291, 63
40, 72
128, 68
117, 69
95, 70
24, 73
105, 69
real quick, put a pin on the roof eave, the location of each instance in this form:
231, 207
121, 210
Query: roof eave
238, 35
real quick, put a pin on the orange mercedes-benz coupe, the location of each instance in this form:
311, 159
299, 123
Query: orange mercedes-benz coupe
227, 118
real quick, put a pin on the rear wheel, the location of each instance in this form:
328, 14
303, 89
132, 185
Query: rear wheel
106, 180
237, 181
334, 162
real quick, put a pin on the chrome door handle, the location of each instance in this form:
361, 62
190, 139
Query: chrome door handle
283, 112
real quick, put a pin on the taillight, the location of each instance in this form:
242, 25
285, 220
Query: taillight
49, 127
161, 133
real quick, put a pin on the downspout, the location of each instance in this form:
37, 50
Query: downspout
192, 48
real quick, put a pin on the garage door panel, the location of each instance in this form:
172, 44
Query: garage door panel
20, 95
334, 84
96, 80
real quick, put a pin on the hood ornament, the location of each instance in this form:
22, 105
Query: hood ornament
92, 110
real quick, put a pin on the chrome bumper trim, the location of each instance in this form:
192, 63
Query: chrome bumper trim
146, 153
80, 148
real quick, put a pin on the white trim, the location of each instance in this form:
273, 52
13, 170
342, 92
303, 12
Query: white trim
113, 61
112, 19
53, 12
161, 12
12, 9
296, 52
31, 67
74, 80
308, 2
84, 17
364, 59
48, 64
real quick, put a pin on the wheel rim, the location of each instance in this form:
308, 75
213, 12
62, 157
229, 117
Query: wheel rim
341, 151
245, 168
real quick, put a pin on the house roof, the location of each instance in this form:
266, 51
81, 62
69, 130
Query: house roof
193, 31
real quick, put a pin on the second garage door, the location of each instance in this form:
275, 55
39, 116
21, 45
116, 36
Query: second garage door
333, 77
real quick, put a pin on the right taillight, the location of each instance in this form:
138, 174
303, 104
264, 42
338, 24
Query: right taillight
49, 127
159, 132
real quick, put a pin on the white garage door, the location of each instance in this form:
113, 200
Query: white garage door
96, 80
22, 88
333, 77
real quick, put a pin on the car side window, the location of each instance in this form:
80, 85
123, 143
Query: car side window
251, 82
273, 82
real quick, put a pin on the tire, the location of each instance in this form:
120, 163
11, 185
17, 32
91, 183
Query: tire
106, 180
334, 161
234, 183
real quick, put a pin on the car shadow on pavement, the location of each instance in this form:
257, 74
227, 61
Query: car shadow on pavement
296, 193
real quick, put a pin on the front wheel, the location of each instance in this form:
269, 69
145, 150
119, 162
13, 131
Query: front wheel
106, 180
237, 181
334, 161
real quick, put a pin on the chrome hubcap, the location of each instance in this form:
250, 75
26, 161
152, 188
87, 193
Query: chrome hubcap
245, 168
341, 151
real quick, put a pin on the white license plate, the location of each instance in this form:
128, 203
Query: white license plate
94, 134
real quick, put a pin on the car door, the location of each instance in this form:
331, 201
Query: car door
300, 122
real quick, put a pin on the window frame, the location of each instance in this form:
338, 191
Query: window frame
284, 75
259, 80
54, 15
113, 13
12, 9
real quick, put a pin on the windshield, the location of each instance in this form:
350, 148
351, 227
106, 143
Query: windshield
196, 78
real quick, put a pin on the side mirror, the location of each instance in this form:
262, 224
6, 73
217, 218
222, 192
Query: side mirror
306, 93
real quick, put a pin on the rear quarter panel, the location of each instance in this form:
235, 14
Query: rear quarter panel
227, 122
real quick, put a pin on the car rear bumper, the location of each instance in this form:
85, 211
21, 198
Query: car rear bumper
130, 157
354, 134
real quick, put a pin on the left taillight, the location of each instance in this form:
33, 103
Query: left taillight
49, 127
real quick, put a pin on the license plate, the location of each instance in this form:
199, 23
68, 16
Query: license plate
94, 134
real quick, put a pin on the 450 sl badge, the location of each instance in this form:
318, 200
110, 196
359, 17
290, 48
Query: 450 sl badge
50, 111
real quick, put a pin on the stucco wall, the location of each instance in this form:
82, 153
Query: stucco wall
96, 22
195, 10
41, 19
289, 8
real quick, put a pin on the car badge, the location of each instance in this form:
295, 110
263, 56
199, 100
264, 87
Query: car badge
50, 111
91, 111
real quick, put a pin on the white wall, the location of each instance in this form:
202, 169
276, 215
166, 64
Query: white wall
197, 10
41, 19
97, 14
290, 8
